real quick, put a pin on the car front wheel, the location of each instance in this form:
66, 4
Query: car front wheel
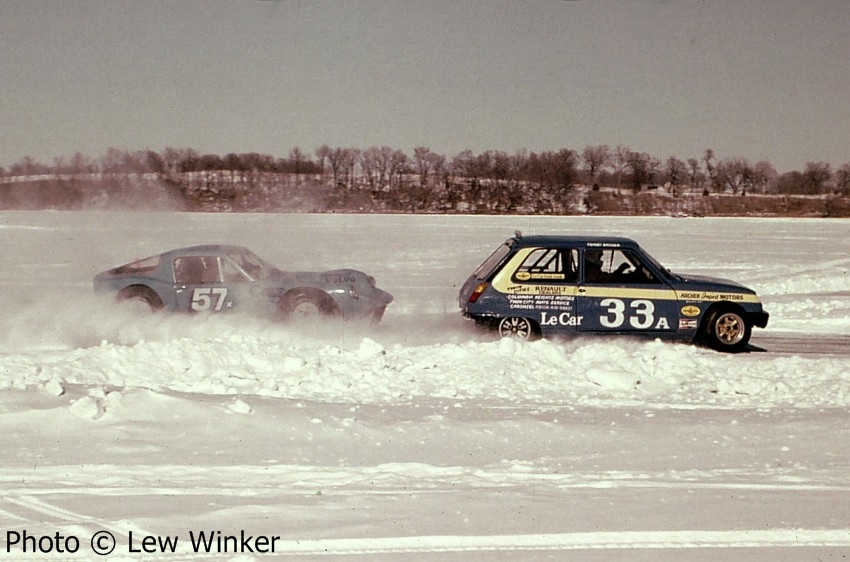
519, 328
726, 329
306, 307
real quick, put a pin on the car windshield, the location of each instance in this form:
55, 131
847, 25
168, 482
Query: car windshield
487, 268
669, 274
252, 264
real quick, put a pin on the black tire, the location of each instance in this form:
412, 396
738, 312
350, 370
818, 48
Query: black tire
518, 327
726, 328
141, 294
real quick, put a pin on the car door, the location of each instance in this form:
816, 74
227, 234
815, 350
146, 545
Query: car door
541, 285
619, 292
206, 284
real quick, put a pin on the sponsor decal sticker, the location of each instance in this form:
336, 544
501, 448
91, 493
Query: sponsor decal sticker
563, 319
547, 276
705, 296
687, 324
690, 310
552, 303
522, 275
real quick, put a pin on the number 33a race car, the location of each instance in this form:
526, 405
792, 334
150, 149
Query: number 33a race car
217, 278
535, 286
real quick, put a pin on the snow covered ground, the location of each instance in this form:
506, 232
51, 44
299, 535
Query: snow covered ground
419, 437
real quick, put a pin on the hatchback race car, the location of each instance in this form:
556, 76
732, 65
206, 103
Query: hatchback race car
217, 278
535, 286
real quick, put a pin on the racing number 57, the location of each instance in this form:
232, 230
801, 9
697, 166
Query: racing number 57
202, 298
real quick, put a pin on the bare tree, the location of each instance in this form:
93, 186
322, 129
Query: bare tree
349, 162
595, 159
296, 156
842, 179
426, 163
640, 164
710, 161
337, 159
621, 162
817, 176
677, 172
735, 174
369, 165
322, 155
396, 166
695, 176
764, 176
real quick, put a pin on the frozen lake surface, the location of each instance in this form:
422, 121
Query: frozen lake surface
421, 436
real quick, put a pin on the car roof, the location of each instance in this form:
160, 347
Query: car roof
573, 241
204, 249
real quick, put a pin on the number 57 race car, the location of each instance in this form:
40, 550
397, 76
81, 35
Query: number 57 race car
535, 286
218, 278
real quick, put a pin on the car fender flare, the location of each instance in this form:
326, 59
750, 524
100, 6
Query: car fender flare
143, 292
324, 300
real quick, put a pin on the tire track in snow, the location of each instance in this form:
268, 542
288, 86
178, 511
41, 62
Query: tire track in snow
67, 517
607, 540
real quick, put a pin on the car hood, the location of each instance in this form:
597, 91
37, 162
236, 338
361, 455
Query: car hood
689, 282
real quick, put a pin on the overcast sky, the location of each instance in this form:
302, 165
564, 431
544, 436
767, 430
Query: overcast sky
759, 79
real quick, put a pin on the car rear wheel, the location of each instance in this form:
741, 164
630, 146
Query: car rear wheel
142, 297
518, 328
726, 329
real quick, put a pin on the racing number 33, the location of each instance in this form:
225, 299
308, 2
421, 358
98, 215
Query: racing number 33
202, 298
641, 317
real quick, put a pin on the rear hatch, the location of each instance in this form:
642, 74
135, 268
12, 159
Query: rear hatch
485, 271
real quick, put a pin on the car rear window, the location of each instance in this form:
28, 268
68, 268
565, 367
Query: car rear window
492, 263
138, 266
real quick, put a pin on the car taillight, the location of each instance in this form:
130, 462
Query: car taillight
477, 292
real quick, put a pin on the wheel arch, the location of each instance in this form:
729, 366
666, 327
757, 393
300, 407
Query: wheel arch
715, 306
143, 291
327, 302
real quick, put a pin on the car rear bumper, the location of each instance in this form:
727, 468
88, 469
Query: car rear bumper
759, 319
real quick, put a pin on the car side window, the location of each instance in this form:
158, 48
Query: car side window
230, 273
549, 265
616, 266
196, 270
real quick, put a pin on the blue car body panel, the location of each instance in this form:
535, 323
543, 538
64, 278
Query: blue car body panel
548, 279
220, 278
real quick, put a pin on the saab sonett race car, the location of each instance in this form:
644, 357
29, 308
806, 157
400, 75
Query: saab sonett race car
217, 278
534, 286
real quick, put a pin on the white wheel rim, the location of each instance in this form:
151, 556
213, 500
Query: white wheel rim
306, 309
519, 328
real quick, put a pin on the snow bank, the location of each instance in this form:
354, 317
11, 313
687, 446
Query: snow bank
607, 372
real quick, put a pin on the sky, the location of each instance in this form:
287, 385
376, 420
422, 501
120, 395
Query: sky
761, 80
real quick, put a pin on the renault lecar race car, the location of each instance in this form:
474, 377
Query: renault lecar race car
217, 278
545, 285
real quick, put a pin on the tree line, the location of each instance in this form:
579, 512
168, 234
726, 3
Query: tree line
384, 169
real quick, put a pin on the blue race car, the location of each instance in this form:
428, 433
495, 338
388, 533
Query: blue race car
217, 278
535, 286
